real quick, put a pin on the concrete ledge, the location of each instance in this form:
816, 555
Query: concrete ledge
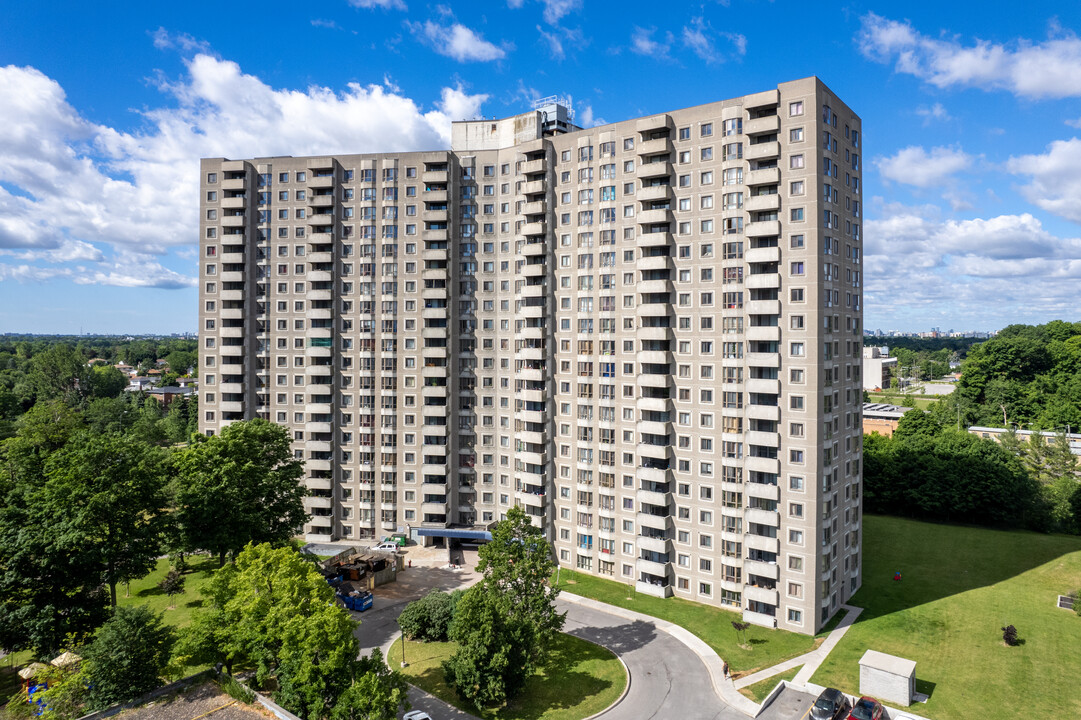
181, 684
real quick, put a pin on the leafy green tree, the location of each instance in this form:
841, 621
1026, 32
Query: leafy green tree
917, 422
375, 693
48, 591
107, 495
504, 625
240, 486
107, 382
60, 373
127, 656
272, 610
429, 618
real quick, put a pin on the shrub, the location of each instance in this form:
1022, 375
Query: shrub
429, 618
1009, 635
172, 583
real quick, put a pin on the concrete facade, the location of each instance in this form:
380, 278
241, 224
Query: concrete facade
888, 678
646, 334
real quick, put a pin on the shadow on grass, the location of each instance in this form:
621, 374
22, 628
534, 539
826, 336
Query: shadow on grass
939, 560
152, 591
197, 603
925, 687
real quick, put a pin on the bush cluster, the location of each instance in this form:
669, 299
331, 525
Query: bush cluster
428, 619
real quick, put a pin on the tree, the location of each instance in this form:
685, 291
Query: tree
429, 618
240, 486
375, 693
48, 592
741, 630
107, 494
272, 610
127, 656
917, 422
173, 582
107, 382
60, 373
504, 625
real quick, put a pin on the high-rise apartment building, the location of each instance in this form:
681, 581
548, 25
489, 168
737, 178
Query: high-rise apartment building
647, 334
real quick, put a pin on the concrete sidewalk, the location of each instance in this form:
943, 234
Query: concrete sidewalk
810, 661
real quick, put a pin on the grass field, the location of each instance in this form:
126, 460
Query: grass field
920, 402
177, 609
580, 680
766, 646
762, 688
960, 586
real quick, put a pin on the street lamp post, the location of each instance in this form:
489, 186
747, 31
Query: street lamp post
404, 663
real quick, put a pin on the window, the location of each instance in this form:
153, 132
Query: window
795, 108
795, 162
795, 135
707, 129
796, 188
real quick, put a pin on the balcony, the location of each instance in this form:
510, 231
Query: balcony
656, 192
762, 595
655, 147
661, 591
768, 124
763, 202
656, 262
234, 221
652, 568
764, 412
652, 544
320, 182
655, 169
769, 176
651, 124
321, 201
435, 176
763, 491
763, 385
763, 228
762, 150
766, 254
234, 203
653, 404
652, 498
770, 333
534, 228
769, 571
234, 184
769, 518
534, 187
765, 544
532, 167
533, 208
765, 465
648, 217
763, 281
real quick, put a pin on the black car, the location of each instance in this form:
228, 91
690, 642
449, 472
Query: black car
831, 704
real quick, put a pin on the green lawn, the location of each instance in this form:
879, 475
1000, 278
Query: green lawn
580, 680
714, 625
762, 688
177, 609
918, 401
960, 586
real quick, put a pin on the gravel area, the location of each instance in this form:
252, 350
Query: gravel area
201, 701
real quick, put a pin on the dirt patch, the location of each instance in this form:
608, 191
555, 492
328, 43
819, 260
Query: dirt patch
205, 701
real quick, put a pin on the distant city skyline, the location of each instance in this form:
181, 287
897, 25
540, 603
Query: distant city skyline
971, 124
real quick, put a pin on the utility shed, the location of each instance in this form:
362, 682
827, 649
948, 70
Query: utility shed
888, 677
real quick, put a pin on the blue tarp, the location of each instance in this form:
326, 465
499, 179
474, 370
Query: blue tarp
455, 533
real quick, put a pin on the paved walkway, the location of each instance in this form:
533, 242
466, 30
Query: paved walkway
810, 661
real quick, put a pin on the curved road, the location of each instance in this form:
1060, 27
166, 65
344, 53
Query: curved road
667, 679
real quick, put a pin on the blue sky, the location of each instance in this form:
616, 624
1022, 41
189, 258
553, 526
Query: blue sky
971, 116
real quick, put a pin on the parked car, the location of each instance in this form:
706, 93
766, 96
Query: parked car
386, 547
866, 708
401, 539
831, 704
416, 715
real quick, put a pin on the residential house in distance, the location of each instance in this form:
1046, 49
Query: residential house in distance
647, 334
166, 395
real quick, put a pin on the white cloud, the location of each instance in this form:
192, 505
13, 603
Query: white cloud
1055, 182
1051, 69
164, 40
920, 270
457, 42
381, 4
554, 10
72, 191
700, 37
915, 166
935, 113
642, 42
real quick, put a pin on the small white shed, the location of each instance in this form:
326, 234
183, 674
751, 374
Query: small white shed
888, 677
